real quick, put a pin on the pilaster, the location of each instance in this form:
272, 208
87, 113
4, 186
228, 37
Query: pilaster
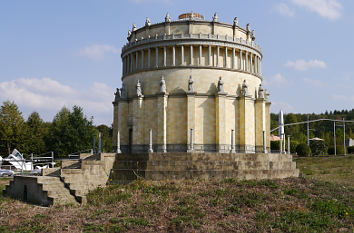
138, 123
220, 118
162, 122
190, 117
260, 121
246, 124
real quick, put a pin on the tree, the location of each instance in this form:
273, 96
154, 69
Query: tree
70, 132
12, 128
318, 147
36, 133
303, 150
107, 133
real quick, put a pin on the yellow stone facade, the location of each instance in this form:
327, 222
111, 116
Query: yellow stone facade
195, 85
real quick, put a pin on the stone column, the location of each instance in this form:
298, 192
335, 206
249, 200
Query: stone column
174, 55
226, 57
115, 123
142, 59
123, 66
157, 57
150, 141
149, 58
137, 60
209, 55
182, 55
232, 141
162, 122
200, 54
247, 66
118, 143
252, 69
233, 58
190, 118
164, 56
191, 54
131, 62
241, 62
217, 55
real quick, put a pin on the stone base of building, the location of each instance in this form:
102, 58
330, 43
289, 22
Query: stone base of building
203, 166
75, 178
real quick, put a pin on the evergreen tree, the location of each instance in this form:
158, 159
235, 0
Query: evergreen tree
36, 133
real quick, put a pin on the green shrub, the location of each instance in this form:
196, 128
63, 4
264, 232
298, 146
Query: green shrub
293, 145
303, 150
351, 150
340, 150
318, 147
275, 145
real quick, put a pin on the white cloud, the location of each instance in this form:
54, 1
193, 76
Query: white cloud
329, 9
305, 65
284, 9
97, 51
314, 82
276, 80
48, 96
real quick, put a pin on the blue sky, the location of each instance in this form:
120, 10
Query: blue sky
60, 53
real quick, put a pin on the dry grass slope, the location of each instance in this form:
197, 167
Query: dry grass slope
289, 205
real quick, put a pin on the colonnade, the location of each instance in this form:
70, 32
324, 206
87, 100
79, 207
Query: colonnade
192, 55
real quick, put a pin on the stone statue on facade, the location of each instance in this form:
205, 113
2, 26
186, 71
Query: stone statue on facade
147, 22
139, 93
117, 95
266, 94
190, 85
134, 27
260, 92
123, 92
235, 21
215, 17
129, 33
244, 90
163, 88
168, 18
220, 86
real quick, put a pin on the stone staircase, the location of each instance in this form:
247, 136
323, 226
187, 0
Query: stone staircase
204, 166
68, 184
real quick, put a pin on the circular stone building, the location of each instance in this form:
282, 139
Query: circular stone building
192, 85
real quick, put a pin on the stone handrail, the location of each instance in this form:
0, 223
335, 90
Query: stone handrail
191, 36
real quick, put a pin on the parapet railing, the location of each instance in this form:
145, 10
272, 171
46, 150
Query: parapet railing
76, 155
224, 38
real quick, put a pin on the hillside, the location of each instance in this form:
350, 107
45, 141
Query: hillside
290, 205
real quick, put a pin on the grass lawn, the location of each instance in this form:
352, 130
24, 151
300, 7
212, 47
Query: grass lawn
334, 169
288, 205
